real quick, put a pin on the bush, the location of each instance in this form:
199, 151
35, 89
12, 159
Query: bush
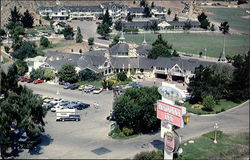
115, 132
208, 103
44, 42
7, 49
91, 41
131, 30
121, 76
127, 131
150, 155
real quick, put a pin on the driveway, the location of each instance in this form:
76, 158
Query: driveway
89, 137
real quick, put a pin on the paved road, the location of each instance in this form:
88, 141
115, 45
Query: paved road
79, 139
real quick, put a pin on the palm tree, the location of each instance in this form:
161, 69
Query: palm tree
224, 27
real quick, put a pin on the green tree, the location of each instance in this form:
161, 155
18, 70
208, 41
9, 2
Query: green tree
107, 19
78, 35
49, 74
44, 42
27, 19
121, 76
15, 16
134, 109
147, 11
204, 23
187, 25
6, 49
160, 40
68, 74
169, 11
175, 54
208, 103
143, 3
103, 30
27, 50
68, 32
89, 75
154, 26
2, 32
17, 42
129, 17
159, 51
212, 27
22, 67
18, 30
239, 87
118, 25
152, 4
224, 27
91, 41
115, 41
176, 18
37, 74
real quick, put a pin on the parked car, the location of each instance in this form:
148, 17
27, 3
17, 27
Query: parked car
56, 107
89, 88
70, 118
97, 90
24, 79
64, 103
111, 117
47, 105
61, 82
74, 86
67, 86
81, 106
81, 87
73, 104
30, 80
38, 81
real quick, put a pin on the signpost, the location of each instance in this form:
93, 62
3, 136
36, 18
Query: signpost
170, 114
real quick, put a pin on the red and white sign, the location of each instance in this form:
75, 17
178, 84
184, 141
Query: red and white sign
169, 113
169, 141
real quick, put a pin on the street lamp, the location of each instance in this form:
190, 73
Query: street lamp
215, 127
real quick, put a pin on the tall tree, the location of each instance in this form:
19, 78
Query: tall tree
159, 50
129, 17
26, 50
15, 16
147, 11
143, 3
78, 35
118, 25
160, 40
169, 11
27, 19
68, 32
176, 18
224, 27
152, 4
204, 22
103, 30
68, 74
22, 67
107, 19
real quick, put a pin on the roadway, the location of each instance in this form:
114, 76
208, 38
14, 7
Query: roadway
79, 139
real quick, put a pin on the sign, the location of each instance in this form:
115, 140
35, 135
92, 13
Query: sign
169, 141
171, 92
170, 113
165, 128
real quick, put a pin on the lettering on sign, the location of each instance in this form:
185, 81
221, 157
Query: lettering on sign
169, 113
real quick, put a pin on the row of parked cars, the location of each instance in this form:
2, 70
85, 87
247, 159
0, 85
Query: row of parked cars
84, 88
57, 103
30, 80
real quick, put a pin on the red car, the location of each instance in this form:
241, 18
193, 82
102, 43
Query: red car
24, 79
38, 81
98, 22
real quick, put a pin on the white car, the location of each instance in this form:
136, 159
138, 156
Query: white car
97, 90
56, 107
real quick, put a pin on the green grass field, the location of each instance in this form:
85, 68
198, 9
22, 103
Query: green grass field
222, 105
229, 146
195, 43
234, 16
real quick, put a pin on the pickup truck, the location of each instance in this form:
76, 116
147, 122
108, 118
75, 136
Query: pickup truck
70, 118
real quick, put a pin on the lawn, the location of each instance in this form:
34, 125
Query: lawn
94, 83
229, 146
195, 43
234, 16
220, 107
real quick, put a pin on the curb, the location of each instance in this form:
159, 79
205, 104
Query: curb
206, 115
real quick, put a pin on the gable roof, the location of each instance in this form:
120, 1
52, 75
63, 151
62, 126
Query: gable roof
119, 48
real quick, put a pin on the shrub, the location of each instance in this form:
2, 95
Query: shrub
91, 41
121, 76
150, 155
208, 103
127, 131
115, 132
44, 42
7, 49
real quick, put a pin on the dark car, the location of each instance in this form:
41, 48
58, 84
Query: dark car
30, 80
111, 117
70, 118
74, 86
81, 106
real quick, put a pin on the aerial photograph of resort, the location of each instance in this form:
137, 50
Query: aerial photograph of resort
125, 79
